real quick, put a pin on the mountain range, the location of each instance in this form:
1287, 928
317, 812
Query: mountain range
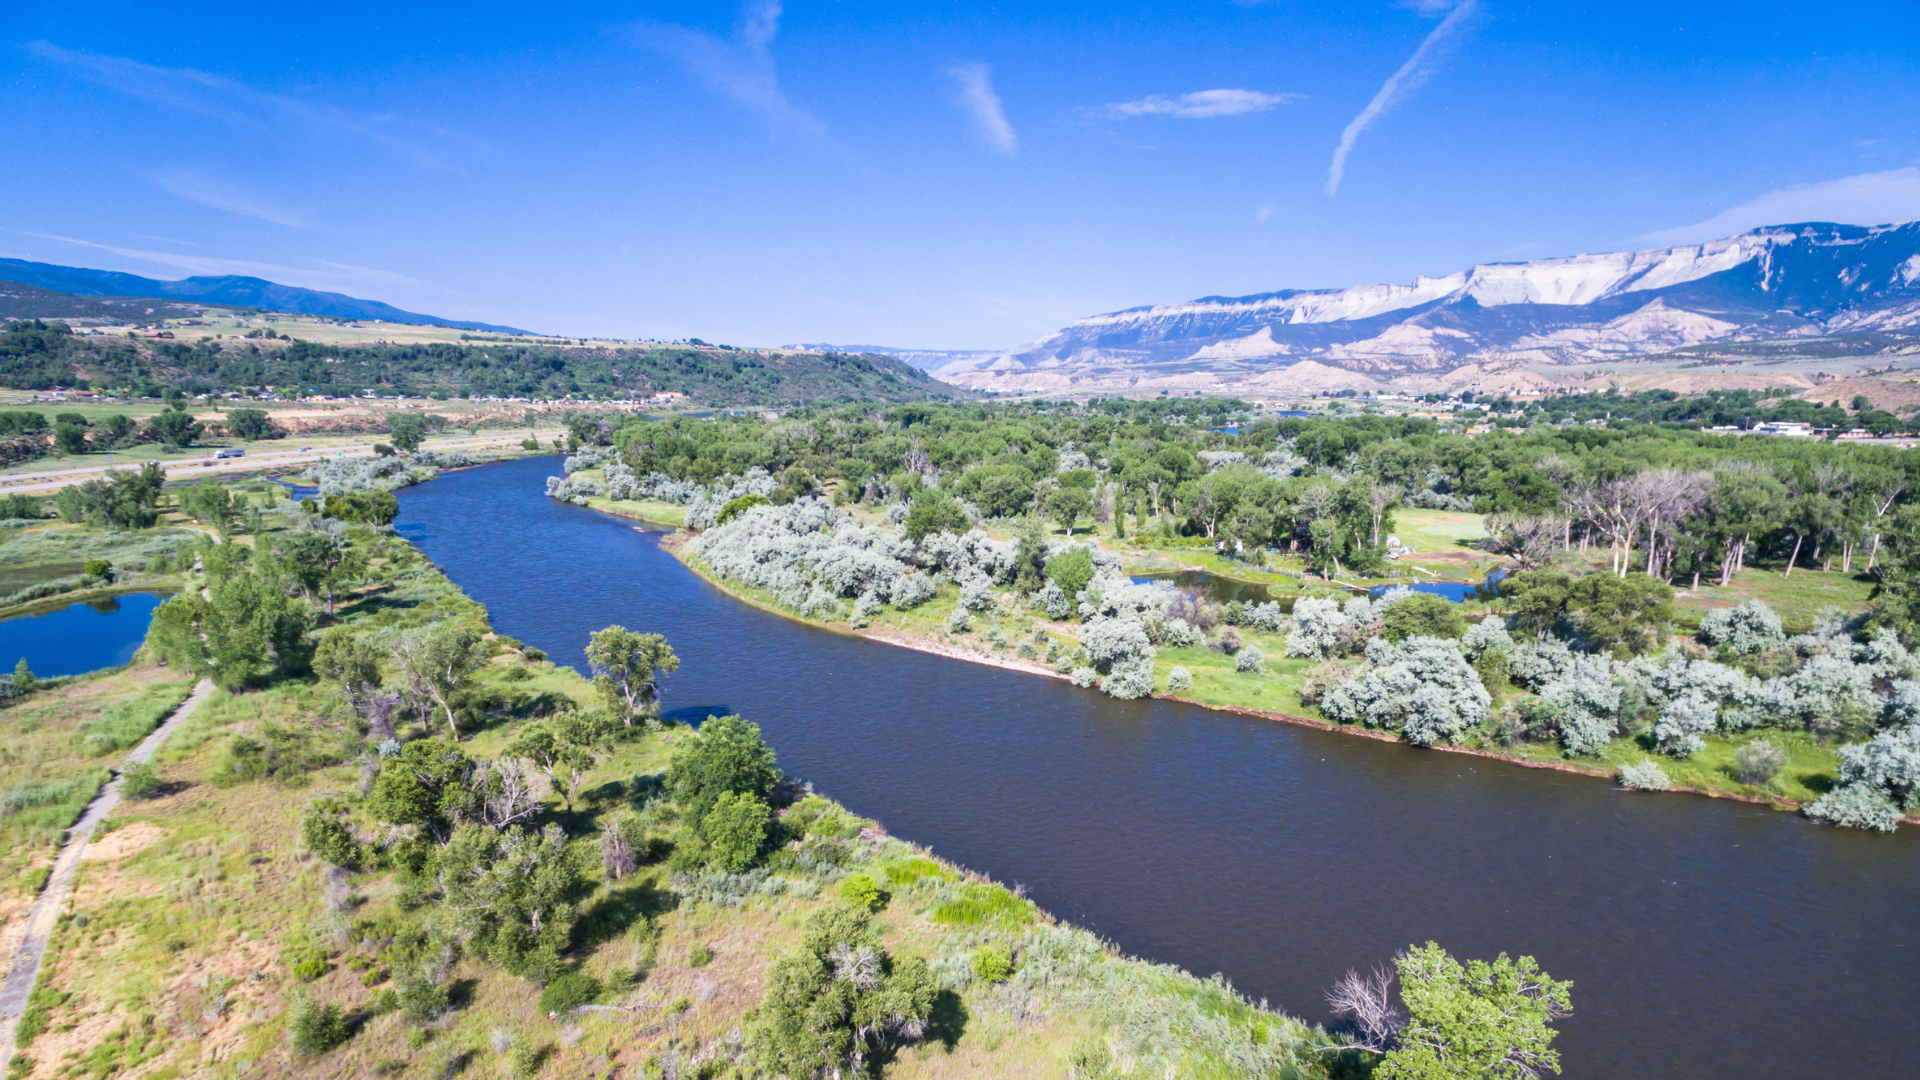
1787, 284
230, 290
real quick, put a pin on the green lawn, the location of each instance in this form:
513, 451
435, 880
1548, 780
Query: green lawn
1431, 531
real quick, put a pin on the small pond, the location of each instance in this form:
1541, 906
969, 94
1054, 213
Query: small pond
80, 637
1456, 591
1220, 590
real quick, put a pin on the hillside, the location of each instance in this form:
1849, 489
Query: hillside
230, 289
1834, 291
43, 355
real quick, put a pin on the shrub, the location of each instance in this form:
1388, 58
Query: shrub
326, 833
1758, 762
699, 955
1129, 679
568, 992
141, 780
1750, 628
961, 621
1422, 688
862, 892
736, 829
992, 963
422, 998
1316, 628
1179, 680
1249, 660
1423, 614
1856, 806
1644, 776
1084, 677
1682, 724
316, 1028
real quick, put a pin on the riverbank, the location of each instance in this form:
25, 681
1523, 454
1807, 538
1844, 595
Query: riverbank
207, 894
1226, 690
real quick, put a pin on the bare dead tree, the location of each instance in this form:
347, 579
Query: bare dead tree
1368, 1000
510, 790
1528, 539
616, 855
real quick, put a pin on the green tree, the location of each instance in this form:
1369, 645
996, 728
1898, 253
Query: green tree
250, 425
407, 431
935, 511
627, 669
1628, 613
438, 661
246, 629
1539, 599
1072, 569
1424, 614
314, 1028
176, 427
210, 503
840, 1001
319, 560
70, 438
564, 747
510, 895
737, 506
363, 507
1068, 505
1477, 1021
726, 755
428, 784
351, 661
735, 830
23, 678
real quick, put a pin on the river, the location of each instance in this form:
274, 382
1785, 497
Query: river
1703, 937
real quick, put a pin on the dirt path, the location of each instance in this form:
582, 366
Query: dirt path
46, 910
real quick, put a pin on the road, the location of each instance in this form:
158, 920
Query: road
46, 910
188, 468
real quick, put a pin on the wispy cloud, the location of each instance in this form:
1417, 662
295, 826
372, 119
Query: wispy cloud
226, 100
741, 68
1404, 82
1201, 104
209, 190
983, 105
339, 276
1877, 198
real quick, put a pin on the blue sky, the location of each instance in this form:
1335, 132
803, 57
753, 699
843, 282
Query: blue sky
939, 175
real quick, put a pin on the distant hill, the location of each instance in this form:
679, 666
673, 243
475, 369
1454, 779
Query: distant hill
20, 301
1792, 285
924, 359
230, 290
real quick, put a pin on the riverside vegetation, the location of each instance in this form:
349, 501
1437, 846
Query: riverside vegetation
394, 842
1651, 622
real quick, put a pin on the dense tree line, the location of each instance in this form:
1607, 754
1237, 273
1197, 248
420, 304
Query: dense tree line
39, 355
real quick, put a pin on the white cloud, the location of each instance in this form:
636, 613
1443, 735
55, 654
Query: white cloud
209, 190
742, 68
233, 102
1879, 198
1401, 83
1201, 104
983, 105
1263, 212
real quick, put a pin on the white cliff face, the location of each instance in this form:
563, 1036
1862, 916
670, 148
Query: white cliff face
1781, 281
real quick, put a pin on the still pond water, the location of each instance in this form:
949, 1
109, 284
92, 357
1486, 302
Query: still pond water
80, 637
1704, 937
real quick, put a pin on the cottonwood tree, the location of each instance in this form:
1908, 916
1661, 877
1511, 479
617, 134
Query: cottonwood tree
727, 755
511, 894
438, 661
565, 747
319, 558
428, 784
1474, 1021
351, 661
242, 628
840, 1000
628, 667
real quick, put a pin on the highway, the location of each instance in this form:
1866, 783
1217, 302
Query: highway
188, 468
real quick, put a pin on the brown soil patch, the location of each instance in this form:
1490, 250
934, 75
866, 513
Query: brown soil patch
123, 842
